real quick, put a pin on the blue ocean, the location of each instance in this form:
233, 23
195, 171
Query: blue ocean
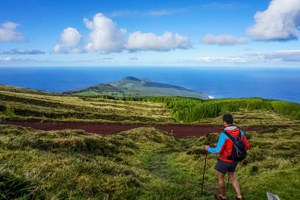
217, 82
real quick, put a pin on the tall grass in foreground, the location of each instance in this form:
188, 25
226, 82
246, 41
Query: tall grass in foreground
142, 163
73, 164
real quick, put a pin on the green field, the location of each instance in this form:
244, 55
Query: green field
18, 103
142, 163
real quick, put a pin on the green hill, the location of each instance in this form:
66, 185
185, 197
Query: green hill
133, 87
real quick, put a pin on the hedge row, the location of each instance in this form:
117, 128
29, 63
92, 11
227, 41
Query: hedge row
192, 109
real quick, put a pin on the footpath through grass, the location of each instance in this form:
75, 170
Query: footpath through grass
142, 163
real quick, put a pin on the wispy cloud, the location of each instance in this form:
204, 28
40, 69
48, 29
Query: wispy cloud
221, 59
218, 5
160, 12
120, 13
105, 59
10, 59
22, 52
223, 40
286, 56
8, 33
5, 59
164, 12
276, 56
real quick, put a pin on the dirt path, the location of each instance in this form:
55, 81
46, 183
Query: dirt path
158, 165
179, 130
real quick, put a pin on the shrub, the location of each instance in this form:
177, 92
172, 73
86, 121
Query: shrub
9, 112
254, 170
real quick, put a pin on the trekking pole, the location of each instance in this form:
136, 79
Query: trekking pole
204, 170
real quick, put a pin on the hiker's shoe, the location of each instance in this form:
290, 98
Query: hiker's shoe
239, 197
219, 197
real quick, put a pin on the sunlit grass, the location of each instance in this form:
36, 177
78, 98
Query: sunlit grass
246, 117
141, 163
33, 105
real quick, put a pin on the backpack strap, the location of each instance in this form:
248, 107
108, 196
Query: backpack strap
240, 134
228, 157
231, 137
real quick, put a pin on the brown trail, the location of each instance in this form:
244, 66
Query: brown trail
179, 130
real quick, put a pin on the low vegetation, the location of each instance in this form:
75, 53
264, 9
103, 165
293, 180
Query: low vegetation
142, 163
73, 164
190, 110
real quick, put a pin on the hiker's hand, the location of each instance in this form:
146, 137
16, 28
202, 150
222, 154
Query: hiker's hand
206, 147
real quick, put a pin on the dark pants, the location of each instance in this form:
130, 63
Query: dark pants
224, 167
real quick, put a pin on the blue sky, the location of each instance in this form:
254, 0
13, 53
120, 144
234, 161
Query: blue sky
150, 33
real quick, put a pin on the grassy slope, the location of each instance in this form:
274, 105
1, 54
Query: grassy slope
31, 104
74, 164
141, 163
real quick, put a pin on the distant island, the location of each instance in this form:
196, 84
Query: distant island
134, 87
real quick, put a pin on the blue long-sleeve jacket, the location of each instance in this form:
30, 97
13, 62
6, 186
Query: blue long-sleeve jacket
224, 146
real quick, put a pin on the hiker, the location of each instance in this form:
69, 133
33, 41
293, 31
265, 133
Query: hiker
225, 163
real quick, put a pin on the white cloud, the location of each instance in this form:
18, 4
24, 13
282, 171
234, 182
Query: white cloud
286, 56
8, 33
221, 59
104, 60
70, 38
146, 13
150, 41
279, 22
223, 40
164, 12
9, 59
275, 56
159, 12
119, 13
23, 52
76, 51
5, 59
105, 36
218, 6
60, 49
